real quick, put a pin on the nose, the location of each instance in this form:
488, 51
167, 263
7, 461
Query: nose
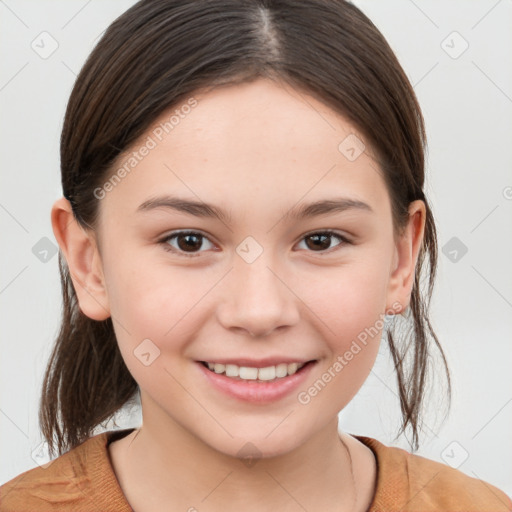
259, 299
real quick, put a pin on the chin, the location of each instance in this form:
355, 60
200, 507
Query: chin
253, 445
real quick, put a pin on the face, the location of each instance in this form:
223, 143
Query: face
259, 285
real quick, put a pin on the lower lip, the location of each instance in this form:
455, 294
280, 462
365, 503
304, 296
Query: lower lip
257, 391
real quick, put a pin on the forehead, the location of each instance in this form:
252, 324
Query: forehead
245, 145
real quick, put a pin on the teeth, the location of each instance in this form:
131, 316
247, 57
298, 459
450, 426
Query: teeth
232, 370
249, 373
268, 373
292, 368
281, 370
219, 368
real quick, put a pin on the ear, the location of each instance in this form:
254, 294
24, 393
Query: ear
407, 250
81, 252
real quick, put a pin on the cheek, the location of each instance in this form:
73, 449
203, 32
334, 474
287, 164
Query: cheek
349, 307
155, 302
149, 315
349, 299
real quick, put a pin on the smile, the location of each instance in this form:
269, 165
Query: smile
261, 383
250, 373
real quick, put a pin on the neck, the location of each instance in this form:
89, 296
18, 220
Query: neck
167, 464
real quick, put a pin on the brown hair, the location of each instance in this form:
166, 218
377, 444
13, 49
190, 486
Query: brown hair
160, 52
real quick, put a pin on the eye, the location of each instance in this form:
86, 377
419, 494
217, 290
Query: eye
322, 240
186, 242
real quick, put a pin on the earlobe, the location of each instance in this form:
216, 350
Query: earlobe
80, 250
406, 256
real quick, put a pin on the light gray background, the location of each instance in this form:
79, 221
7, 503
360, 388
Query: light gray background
466, 97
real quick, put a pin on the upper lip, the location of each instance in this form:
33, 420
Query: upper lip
257, 363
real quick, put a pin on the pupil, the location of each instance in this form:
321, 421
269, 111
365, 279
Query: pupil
320, 243
189, 244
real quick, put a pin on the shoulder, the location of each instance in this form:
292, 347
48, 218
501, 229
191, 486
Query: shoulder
76, 481
415, 483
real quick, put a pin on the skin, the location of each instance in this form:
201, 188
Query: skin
257, 150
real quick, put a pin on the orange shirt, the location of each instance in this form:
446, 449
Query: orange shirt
83, 480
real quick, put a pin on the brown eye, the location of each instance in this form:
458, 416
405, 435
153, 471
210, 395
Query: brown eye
188, 243
321, 241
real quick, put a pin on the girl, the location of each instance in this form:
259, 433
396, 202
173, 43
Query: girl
243, 218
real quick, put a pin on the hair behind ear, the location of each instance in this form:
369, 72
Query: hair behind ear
412, 365
86, 380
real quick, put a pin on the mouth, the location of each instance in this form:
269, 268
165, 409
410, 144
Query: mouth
257, 374
256, 382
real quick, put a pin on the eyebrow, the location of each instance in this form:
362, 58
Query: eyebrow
202, 209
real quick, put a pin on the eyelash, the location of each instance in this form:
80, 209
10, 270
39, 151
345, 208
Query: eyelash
164, 241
